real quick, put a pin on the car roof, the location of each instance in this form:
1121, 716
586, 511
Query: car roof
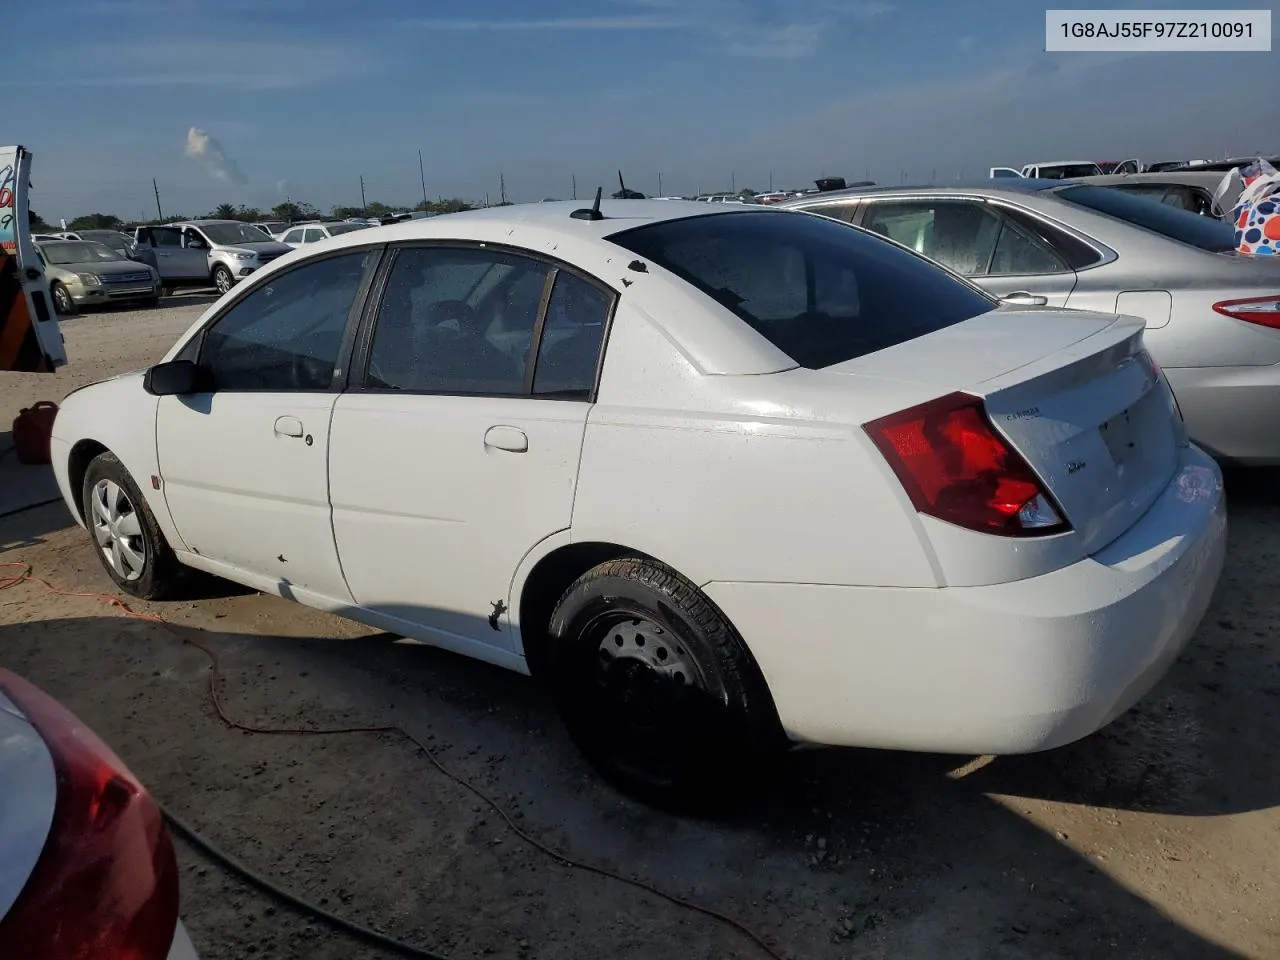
1192, 177
999, 186
1062, 163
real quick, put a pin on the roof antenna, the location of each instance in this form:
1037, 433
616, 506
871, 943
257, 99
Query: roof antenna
592, 212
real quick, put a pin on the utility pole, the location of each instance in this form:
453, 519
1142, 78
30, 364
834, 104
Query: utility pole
364, 205
159, 212
933, 178
423, 177
502, 187
575, 185
660, 183
771, 179
866, 173
733, 182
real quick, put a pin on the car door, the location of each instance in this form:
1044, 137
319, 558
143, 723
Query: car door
996, 248
292, 237
313, 235
193, 257
244, 466
458, 450
166, 243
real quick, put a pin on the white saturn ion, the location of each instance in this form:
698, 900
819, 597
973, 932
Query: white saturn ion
727, 477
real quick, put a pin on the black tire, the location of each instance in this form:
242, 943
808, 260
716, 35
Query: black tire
62, 302
672, 740
152, 301
222, 279
160, 574
168, 290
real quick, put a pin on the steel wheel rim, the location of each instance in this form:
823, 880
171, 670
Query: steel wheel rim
62, 299
223, 281
650, 696
117, 530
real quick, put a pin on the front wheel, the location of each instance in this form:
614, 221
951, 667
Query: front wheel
125, 535
62, 301
222, 279
656, 687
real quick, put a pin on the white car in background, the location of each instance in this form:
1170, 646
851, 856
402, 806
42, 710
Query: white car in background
725, 477
303, 234
87, 867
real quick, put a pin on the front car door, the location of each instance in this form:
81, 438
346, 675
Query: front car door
292, 237
193, 258
313, 235
166, 243
457, 450
1005, 251
244, 466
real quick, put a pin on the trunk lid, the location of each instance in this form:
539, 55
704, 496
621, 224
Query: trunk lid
1077, 397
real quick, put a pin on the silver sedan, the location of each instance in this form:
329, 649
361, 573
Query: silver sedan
1213, 316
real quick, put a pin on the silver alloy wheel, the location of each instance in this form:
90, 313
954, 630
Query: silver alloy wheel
117, 528
61, 299
222, 278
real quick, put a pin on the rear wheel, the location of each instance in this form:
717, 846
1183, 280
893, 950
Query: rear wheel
62, 301
125, 535
222, 279
656, 687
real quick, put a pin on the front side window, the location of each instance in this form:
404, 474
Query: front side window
820, 291
293, 236
456, 321
287, 333
165, 237
313, 235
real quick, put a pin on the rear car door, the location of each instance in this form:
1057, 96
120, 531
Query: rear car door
244, 466
1000, 250
457, 451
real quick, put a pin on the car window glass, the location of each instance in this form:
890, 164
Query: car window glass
961, 236
1204, 232
820, 291
312, 235
433, 334
287, 332
569, 353
165, 237
293, 236
1018, 253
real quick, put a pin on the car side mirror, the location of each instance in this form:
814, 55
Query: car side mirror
177, 378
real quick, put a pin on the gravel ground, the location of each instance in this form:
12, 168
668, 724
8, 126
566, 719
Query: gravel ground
1157, 838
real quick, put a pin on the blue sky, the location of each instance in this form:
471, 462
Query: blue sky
300, 98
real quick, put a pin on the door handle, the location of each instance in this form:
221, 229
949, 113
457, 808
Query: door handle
1024, 299
511, 439
288, 427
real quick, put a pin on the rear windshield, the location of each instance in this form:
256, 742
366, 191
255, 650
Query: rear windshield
1203, 232
821, 291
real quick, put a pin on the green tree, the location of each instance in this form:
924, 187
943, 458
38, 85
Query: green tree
293, 211
248, 214
36, 224
746, 193
452, 205
379, 209
96, 221
224, 211
341, 213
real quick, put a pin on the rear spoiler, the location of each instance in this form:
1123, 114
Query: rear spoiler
30, 341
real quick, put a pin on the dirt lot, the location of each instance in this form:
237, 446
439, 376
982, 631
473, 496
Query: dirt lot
1157, 838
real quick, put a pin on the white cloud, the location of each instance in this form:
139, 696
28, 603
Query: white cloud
208, 151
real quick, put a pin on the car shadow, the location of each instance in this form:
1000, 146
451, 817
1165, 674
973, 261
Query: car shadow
889, 852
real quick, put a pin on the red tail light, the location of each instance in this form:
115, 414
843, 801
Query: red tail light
106, 884
1264, 311
955, 466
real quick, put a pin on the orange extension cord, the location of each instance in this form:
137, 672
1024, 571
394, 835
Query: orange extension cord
27, 576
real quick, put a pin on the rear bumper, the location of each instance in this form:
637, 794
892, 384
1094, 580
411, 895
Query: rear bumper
1233, 412
1010, 668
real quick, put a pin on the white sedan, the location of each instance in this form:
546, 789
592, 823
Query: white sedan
87, 867
315, 232
726, 477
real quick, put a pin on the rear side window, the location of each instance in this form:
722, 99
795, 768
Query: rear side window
820, 291
1203, 232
